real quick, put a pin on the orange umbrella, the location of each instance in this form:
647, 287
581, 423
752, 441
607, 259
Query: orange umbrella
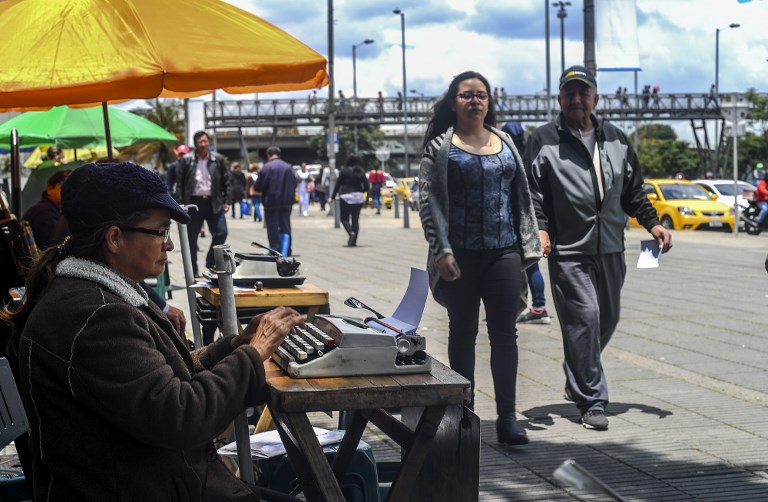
82, 52
58, 52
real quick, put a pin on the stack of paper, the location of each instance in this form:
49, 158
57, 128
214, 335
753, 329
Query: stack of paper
268, 444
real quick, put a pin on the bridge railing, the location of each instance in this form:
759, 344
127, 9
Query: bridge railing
389, 111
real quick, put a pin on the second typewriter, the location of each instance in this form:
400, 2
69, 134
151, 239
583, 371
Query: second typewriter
333, 346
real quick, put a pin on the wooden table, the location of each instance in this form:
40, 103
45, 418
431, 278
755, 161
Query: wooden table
307, 299
440, 439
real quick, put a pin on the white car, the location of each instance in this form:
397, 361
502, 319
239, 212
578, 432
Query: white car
724, 191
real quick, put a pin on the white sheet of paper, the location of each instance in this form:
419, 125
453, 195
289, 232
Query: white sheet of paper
268, 444
650, 254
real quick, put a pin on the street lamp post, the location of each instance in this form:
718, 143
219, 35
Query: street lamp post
561, 15
715, 167
405, 96
354, 77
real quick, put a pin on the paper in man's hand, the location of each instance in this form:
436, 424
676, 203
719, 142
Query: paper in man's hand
650, 254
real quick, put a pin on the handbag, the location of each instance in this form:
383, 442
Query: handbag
245, 207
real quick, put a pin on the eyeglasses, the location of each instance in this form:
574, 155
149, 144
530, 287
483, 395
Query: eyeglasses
467, 96
165, 233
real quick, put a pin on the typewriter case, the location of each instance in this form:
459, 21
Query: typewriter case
270, 270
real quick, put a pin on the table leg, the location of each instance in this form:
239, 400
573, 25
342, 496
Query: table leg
348, 445
417, 453
306, 455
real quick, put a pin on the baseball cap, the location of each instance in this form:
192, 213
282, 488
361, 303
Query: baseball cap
182, 149
578, 73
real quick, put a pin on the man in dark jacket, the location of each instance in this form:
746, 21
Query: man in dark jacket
202, 178
277, 184
584, 177
45, 214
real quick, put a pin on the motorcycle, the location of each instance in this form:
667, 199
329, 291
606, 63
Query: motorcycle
749, 216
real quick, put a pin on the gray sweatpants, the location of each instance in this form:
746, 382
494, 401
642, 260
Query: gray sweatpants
587, 293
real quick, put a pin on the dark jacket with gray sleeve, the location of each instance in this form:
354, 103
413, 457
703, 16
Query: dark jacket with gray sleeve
565, 192
119, 409
433, 200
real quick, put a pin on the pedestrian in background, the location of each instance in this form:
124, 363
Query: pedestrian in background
532, 279
237, 188
350, 188
377, 180
203, 180
277, 185
255, 196
478, 219
45, 214
302, 180
585, 178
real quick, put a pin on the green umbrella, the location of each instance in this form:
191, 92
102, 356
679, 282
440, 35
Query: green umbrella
81, 128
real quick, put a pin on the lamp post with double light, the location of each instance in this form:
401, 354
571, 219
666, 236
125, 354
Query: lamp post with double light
715, 167
354, 77
561, 15
405, 96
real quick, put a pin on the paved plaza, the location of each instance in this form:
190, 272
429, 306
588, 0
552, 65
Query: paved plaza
686, 367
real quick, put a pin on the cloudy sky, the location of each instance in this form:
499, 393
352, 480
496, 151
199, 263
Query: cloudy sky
504, 39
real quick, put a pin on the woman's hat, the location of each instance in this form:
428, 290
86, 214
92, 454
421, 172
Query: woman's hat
95, 193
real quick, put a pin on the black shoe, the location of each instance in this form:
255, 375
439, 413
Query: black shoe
352, 239
595, 419
567, 394
508, 432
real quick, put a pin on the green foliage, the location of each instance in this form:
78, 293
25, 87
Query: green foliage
759, 112
368, 138
656, 131
661, 158
167, 114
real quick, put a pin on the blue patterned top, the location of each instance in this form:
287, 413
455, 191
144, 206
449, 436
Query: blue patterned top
480, 210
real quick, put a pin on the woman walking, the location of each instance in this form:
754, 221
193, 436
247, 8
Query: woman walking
478, 219
352, 185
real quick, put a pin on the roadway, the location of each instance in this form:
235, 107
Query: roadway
686, 367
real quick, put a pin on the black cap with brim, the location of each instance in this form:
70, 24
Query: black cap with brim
97, 192
578, 73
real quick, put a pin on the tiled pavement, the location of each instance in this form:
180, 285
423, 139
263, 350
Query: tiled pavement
686, 367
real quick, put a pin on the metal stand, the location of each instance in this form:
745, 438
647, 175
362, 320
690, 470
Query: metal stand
189, 280
396, 205
406, 219
225, 267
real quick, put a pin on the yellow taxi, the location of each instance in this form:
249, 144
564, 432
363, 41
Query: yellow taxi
683, 205
404, 188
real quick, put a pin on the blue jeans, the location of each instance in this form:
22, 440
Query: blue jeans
536, 285
376, 193
763, 212
217, 225
256, 203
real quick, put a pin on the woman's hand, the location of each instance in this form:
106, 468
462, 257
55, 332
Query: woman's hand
265, 332
448, 268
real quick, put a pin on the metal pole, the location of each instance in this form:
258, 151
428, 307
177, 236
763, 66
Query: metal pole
107, 133
225, 267
354, 86
549, 70
715, 167
405, 97
213, 132
189, 280
16, 174
589, 36
735, 131
637, 125
331, 119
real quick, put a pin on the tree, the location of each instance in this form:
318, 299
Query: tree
166, 114
758, 114
662, 155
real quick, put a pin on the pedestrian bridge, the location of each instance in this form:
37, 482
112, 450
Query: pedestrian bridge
254, 113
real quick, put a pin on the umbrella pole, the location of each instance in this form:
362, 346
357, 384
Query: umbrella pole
15, 175
189, 280
107, 134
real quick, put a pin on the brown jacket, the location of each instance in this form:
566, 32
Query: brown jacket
118, 407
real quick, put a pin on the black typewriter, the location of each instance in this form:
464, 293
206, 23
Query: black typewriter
333, 346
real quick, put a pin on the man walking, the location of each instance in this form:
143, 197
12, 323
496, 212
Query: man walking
203, 180
277, 184
584, 177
